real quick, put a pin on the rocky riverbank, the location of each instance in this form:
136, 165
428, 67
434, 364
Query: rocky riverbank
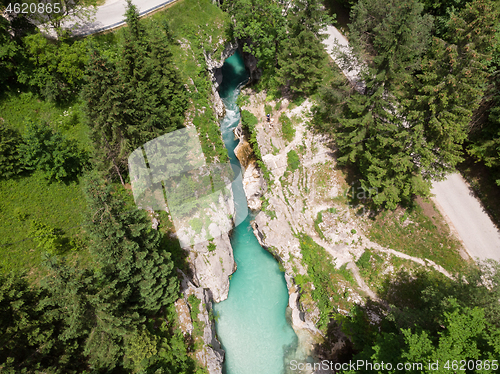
211, 263
293, 200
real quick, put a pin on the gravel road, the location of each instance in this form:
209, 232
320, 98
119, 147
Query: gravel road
111, 14
466, 215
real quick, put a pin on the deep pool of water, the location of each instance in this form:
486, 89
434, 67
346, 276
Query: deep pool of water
251, 324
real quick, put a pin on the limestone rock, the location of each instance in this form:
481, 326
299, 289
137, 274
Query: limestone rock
253, 181
213, 267
185, 321
214, 64
211, 355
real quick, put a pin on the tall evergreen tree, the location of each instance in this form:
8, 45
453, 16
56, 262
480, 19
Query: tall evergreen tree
155, 98
104, 97
371, 130
9, 49
301, 58
137, 100
129, 251
450, 87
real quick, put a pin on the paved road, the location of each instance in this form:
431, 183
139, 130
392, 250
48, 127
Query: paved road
111, 14
454, 199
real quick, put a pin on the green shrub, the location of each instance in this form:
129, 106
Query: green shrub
268, 109
10, 164
317, 221
287, 129
248, 120
46, 236
298, 100
211, 246
293, 160
242, 100
50, 152
364, 260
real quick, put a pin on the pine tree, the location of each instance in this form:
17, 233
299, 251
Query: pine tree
129, 251
103, 96
9, 49
450, 87
301, 60
22, 332
371, 130
155, 98
138, 99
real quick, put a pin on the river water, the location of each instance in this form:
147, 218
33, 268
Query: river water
251, 324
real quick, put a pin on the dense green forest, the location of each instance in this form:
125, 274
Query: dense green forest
95, 293
429, 68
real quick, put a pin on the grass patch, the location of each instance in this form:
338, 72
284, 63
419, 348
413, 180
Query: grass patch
317, 221
330, 292
33, 198
287, 129
242, 100
197, 334
17, 109
292, 160
268, 109
417, 236
370, 266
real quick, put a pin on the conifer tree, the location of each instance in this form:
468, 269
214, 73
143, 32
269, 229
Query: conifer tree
103, 96
301, 60
20, 320
450, 87
129, 251
155, 98
136, 100
371, 131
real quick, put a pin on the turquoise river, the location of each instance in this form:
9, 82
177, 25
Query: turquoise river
252, 324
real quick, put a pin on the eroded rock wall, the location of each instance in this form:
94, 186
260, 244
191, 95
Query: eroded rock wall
214, 65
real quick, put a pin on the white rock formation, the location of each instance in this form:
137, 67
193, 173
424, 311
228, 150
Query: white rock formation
214, 63
211, 355
212, 268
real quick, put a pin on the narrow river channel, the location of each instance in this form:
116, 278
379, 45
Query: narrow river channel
252, 324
